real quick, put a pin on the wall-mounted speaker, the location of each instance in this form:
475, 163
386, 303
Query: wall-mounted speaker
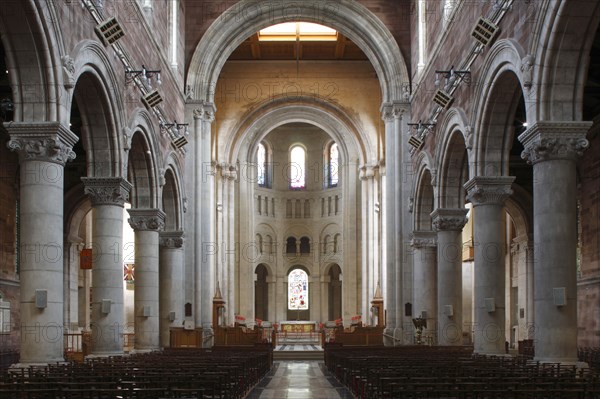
106, 303
490, 305
171, 316
424, 314
146, 311
560, 296
41, 299
449, 310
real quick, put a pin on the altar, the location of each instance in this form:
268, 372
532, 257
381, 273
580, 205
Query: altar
298, 326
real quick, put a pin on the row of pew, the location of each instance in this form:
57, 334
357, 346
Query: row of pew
454, 372
591, 356
218, 373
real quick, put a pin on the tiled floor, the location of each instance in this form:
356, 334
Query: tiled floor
299, 380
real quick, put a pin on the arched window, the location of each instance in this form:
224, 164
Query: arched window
336, 243
261, 165
297, 168
290, 245
305, 245
422, 29
448, 10
4, 315
297, 290
333, 162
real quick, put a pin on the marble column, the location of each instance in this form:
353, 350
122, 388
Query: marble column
108, 196
146, 223
487, 194
553, 149
449, 224
424, 244
171, 284
44, 148
205, 247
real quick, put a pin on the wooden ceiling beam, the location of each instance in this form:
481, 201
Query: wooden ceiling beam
340, 47
255, 46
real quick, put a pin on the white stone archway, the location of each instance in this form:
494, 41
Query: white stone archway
370, 34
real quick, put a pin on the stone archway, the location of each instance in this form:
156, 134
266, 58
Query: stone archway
248, 16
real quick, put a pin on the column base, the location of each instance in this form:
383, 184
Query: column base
103, 355
17, 366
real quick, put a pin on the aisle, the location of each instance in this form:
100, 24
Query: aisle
299, 380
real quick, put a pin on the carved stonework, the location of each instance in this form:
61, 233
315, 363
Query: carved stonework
106, 191
48, 142
449, 219
527, 71
171, 239
68, 65
146, 219
546, 141
424, 239
489, 190
205, 112
390, 112
228, 171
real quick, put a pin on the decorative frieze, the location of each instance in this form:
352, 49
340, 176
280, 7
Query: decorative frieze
546, 141
107, 190
483, 190
146, 219
449, 219
171, 239
45, 141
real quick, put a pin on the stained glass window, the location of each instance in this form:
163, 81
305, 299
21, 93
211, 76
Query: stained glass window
298, 290
261, 165
333, 167
297, 168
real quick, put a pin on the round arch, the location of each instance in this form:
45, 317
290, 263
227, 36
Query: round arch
495, 107
258, 123
424, 197
247, 17
99, 100
452, 161
562, 59
141, 172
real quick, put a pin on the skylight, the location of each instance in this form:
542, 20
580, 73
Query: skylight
302, 31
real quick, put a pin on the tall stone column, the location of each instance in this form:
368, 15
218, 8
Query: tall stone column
205, 247
449, 224
424, 244
487, 194
522, 254
108, 196
171, 284
44, 148
553, 149
146, 223
391, 266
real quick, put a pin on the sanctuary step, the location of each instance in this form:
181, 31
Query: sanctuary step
298, 352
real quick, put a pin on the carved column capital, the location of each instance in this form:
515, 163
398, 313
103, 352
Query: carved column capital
449, 219
205, 111
41, 141
146, 219
368, 172
107, 190
424, 239
171, 239
482, 190
546, 141
393, 110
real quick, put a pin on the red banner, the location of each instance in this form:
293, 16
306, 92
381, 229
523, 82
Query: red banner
85, 259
